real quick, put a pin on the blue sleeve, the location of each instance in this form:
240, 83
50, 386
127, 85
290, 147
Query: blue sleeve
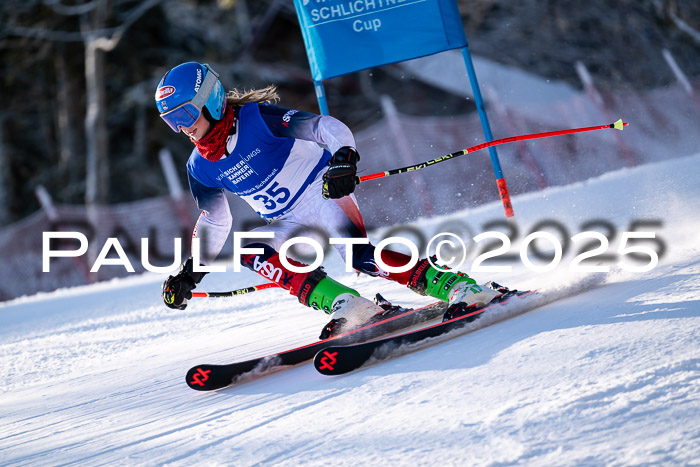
207, 198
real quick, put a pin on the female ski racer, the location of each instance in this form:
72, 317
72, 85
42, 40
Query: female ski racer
295, 169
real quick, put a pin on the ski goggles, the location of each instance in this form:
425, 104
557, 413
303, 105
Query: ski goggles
187, 113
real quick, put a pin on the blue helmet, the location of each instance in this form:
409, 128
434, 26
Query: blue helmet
185, 91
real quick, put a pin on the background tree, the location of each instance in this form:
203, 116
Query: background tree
77, 77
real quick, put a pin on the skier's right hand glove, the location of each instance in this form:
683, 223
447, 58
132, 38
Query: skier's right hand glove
339, 180
178, 289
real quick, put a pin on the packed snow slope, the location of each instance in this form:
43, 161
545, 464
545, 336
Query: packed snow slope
95, 375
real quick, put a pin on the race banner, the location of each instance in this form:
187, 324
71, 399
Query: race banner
343, 36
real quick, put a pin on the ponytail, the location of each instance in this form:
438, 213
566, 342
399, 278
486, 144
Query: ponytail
238, 98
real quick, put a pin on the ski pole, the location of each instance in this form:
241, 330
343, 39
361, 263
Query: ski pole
233, 293
618, 125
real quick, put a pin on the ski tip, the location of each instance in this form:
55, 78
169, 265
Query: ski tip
619, 125
203, 378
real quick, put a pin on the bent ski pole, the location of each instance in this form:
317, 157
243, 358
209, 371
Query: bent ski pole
618, 125
233, 293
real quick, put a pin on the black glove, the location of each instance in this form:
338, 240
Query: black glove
178, 289
339, 180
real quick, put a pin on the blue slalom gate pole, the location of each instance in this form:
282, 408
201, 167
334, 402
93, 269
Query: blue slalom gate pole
481, 109
321, 97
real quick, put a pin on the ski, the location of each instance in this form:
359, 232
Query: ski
338, 359
343, 358
211, 377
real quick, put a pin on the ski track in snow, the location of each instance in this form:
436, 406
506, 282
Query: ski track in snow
94, 375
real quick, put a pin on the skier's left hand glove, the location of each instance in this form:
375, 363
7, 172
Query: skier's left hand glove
339, 180
178, 289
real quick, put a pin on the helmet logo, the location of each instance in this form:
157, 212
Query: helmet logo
164, 92
198, 81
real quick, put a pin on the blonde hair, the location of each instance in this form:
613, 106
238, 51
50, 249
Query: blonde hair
238, 98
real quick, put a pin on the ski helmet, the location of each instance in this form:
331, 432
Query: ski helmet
185, 91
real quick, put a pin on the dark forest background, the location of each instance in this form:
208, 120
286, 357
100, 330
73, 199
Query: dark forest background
78, 77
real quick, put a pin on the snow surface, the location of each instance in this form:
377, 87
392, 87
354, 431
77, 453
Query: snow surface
94, 375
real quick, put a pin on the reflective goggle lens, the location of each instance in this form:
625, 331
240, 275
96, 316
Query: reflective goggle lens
183, 115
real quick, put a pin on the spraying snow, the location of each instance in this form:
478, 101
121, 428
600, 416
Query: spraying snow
95, 375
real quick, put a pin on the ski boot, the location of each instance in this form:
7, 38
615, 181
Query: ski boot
347, 308
460, 291
338, 324
465, 300
351, 312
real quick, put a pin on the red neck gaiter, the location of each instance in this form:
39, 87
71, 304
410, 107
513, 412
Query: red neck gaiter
213, 146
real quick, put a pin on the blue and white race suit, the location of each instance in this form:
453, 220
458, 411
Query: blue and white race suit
275, 160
